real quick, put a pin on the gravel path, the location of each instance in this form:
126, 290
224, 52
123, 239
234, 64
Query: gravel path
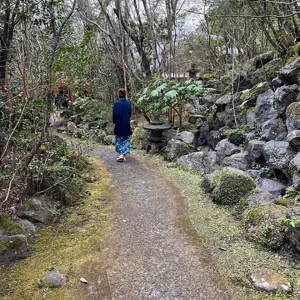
155, 255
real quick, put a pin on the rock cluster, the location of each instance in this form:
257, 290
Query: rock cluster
251, 164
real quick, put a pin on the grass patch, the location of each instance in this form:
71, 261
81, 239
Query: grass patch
68, 247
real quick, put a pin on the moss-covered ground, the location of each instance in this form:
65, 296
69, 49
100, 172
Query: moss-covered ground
224, 236
70, 246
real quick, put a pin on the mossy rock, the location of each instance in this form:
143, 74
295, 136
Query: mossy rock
13, 247
266, 73
249, 97
139, 138
293, 53
263, 225
10, 227
232, 186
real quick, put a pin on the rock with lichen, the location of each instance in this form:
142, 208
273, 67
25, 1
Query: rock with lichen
176, 149
232, 186
202, 162
237, 161
293, 116
270, 281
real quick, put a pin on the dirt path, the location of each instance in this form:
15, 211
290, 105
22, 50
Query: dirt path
157, 254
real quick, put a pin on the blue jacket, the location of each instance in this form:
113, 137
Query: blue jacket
121, 118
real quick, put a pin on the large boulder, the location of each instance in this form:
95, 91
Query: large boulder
187, 137
255, 152
295, 171
274, 129
13, 242
294, 139
293, 116
289, 73
284, 96
224, 148
264, 110
176, 149
237, 161
263, 225
259, 197
274, 187
139, 138
209, 181
42, 209
213, 138
236, 136
278, 155
232, 186
202, 162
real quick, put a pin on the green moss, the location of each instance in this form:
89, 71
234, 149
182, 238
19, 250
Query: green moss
291, 59
240, 207
232, 186
254, 215
249, 97
265, 224
10, 227
12, 244
286, 202
293, 53
72, 247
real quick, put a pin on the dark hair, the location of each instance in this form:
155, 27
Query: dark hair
122, 93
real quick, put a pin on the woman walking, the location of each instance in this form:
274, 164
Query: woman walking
121, 119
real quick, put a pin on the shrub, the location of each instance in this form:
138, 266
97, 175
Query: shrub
232, 186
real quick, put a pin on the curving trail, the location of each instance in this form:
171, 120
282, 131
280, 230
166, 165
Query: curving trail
154, 252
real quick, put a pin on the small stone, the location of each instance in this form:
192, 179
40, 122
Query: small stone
171, 165
276, 188
83, 280
91, 179
54, 279
270, 281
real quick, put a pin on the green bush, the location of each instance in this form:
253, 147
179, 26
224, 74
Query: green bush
232, 186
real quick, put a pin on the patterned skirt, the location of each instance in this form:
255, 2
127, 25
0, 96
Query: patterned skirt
122, 144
